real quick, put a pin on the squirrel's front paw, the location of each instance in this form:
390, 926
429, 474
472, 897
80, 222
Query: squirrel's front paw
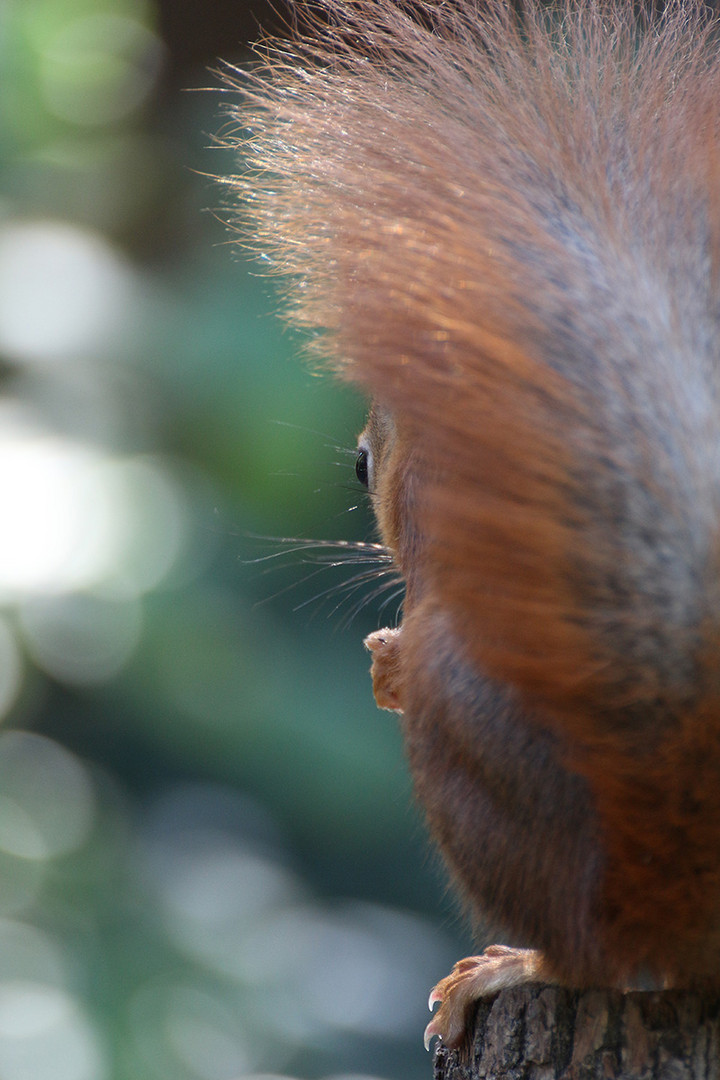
478, 977
385, 670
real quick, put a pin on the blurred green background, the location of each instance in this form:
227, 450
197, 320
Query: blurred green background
210, 864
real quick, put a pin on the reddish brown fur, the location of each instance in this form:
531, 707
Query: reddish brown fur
509, 234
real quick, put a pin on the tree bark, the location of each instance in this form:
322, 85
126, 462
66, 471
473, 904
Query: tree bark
550, 1033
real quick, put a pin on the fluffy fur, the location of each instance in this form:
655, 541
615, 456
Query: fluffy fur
506, 229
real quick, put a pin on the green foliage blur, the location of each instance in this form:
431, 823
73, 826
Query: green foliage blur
210, 863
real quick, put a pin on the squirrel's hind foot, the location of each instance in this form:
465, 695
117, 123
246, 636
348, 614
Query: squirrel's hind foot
477, 977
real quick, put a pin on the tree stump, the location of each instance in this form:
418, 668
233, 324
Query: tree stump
539, 1032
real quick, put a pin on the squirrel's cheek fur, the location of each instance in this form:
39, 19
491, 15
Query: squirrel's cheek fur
507, 229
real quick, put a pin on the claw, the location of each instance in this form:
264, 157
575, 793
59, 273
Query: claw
430, 1031
434, 1027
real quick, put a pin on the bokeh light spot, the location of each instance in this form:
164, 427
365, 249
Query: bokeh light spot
18, 833
81, 639
99, 68
75, 518
21, 881
150, 521
52, 794
62, 291
44, 1035
29, 954
57, 531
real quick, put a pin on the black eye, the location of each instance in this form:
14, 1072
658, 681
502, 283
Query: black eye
361, 467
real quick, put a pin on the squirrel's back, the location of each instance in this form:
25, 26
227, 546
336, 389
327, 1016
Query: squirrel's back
508, 229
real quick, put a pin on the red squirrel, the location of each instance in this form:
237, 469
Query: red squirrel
503, 223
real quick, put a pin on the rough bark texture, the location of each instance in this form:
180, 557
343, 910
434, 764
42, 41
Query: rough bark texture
549, 1033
